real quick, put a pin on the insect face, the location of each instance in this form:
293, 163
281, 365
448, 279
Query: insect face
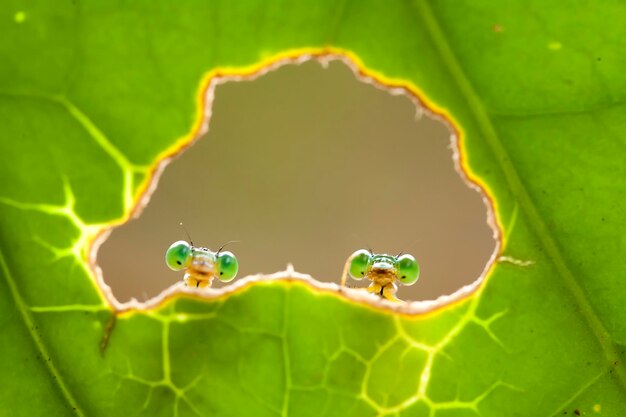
382, 270
201, 265
202, 261
383, 263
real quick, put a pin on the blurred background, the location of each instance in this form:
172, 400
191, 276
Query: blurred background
305, 165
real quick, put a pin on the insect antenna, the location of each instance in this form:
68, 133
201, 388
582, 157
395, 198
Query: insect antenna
187, 233
400, 254
227, 243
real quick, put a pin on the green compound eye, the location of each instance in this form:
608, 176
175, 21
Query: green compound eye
408, 269
227, 266
178, 256
359, 263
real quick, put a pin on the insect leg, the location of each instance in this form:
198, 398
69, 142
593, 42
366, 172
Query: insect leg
344, 275
190, 281
203, 283
389, 292
375, 288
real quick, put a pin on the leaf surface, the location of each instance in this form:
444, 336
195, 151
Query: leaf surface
93, 95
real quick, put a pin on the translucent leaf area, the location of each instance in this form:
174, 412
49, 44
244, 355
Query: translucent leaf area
93, 96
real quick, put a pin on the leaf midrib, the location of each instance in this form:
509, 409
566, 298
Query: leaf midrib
477, 110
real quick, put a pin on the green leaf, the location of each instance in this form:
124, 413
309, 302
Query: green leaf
93, 95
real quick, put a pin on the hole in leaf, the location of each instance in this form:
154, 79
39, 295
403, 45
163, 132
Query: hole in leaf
306, 165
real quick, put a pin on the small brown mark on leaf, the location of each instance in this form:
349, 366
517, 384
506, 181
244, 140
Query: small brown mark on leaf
108, 328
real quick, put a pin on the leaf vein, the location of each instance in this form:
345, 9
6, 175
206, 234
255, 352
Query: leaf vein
494, 141
29, 324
